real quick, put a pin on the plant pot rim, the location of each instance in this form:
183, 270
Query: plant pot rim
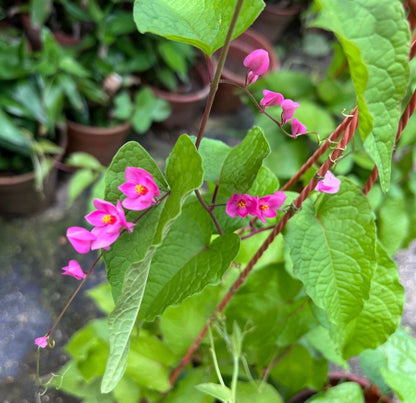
99, 131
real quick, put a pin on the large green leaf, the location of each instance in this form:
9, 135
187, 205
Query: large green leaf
184, 390
332, 246
400, 369
180, 324
269, 302
186, 261
375, 37
130, 248
199, 23
393, 220
220, 392
242, 164
12, 137
213, 153
381, 313
297, 370
259, 392
184, 174
343, 393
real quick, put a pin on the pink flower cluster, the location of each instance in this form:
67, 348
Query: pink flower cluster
289, 107
262, 208
257, 63
109, 221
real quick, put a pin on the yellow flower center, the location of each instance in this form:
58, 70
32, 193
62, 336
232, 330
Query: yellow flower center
264, 207
141, 190
109, 219
241, 203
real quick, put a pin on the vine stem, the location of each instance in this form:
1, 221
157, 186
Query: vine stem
74, 294
350, 127
218, 71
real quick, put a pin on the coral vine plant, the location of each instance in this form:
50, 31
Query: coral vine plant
293, 272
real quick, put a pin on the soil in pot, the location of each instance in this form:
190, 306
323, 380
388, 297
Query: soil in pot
101, 142
227, 99
18, 194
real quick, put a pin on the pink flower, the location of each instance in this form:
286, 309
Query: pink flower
330, 184
297, 128
257, 61
267, 206
241, 205
80, 239
42, 342
73, 269
108, 221
140, 189
271, 98
251, 78
289, 108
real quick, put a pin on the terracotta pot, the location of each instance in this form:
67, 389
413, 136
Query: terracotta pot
274, 19
371, 393
101, 142
227, 99
186, 106
18, 195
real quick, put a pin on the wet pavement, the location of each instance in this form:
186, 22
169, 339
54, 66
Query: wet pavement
33, 291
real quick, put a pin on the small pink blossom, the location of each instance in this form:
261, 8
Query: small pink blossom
108, 221
257, 61
288, 109
80, 239
73, 269
241, 205
271, 98
140, 189
267, 206
251, 78
42, 342
297, 128
330, 184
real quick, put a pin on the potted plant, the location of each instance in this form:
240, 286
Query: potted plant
177, 75
30, 140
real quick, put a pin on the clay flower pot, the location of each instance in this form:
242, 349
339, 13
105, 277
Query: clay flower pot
274, 19
227, 99
101, 142
371, 393
186, 106
18, 195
